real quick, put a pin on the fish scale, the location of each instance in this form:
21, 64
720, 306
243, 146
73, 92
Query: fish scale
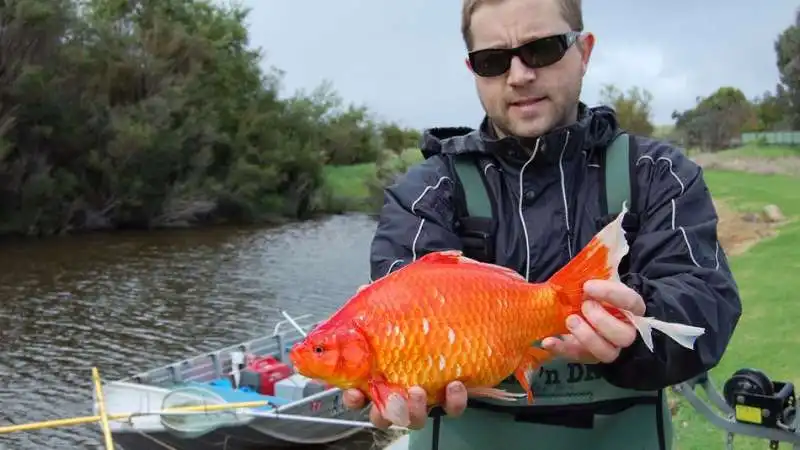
472, 328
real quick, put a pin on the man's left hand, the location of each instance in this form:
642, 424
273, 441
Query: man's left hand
601, 336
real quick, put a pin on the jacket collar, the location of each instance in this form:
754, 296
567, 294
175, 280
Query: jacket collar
595, 127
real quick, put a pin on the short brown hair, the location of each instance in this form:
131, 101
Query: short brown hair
571, 11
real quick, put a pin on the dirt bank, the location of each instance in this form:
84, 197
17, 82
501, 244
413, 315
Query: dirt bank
738, 231
782, 166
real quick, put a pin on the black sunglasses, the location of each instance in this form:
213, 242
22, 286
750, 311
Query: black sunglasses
537, 53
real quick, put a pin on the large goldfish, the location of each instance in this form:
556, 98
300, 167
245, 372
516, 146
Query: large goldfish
446, 317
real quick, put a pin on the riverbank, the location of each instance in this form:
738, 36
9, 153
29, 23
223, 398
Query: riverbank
358, 188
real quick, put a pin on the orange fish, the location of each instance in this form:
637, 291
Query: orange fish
446, 317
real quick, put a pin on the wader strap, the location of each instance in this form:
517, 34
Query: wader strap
474, 208
617, 174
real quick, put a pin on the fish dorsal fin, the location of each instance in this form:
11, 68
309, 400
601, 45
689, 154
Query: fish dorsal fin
444, 257
457, 257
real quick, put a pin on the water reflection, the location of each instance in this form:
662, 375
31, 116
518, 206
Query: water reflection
129, 301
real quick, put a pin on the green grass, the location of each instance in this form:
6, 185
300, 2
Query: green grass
349, 181
767, 277
753, 151
347, 188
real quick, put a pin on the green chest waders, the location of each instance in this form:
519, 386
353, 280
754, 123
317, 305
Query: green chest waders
574, 407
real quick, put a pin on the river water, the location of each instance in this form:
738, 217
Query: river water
126, 302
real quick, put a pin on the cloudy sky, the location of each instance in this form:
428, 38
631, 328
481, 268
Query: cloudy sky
404, 59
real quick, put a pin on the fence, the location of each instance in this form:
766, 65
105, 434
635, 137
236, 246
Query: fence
791, 138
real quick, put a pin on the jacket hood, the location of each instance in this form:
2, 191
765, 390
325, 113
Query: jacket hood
596, 127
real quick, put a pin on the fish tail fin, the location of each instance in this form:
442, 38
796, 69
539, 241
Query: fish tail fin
599, 260
684, 335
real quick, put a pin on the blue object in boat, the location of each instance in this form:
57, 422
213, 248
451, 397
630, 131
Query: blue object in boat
223, 388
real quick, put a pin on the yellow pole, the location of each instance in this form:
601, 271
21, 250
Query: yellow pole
125, 416
101, 405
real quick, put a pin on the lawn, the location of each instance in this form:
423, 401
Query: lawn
350, 182
348, 187
754, 151
767, 331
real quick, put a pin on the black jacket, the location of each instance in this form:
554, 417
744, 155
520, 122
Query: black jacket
675, 260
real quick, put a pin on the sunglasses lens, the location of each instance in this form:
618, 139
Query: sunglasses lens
535, 54
490, 63
543, 52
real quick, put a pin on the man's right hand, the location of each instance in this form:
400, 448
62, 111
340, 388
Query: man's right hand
455, 403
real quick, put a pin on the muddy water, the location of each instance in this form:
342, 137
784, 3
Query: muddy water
125, 302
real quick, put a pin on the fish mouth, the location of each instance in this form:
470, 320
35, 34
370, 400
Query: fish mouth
296, 358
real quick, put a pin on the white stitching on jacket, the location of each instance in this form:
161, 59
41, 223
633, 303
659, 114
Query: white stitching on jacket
519, 211
674, 208
422, 220
564, 193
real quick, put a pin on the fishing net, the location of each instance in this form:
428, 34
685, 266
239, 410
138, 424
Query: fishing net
197, 421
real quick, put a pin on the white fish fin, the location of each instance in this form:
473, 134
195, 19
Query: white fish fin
397, 411
497, 394
684, 335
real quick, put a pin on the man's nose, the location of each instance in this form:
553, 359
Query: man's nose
519, 73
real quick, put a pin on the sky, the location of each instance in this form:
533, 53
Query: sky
405, 59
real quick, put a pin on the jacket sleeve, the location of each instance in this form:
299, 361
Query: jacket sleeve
678, 267
417, 218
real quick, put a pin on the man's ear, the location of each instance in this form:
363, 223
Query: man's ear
586, 45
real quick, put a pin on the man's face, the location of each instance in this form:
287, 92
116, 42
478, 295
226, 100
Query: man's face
522, 101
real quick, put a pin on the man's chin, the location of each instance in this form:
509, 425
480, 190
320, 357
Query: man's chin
531, 128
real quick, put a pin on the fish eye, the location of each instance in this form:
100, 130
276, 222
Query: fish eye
318, 349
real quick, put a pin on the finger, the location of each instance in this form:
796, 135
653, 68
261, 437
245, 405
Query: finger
574, 348
558, 347
377, 419
353, 399
590, 340
455, 399
615, 293
615, 331
570, 348
417, 408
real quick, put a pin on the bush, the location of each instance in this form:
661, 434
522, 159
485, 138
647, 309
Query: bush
140, 114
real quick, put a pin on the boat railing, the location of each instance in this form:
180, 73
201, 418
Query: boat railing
215, 364
286, 321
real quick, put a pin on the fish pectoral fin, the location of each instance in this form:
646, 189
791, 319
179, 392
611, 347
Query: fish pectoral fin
495, 393
391, 401
533, 359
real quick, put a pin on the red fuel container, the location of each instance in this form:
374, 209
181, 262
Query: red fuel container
269, 371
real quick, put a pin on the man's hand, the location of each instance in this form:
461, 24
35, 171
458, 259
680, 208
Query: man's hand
601, 337
455, 403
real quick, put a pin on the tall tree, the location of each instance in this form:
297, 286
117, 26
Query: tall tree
633, 108
787, 48
717, 119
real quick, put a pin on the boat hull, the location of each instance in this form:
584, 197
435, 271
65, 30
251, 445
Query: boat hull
148, 393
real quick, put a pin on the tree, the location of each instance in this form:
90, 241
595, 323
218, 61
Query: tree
772, 111
633, 108
398, 139
143, 113
787, 48
716, 119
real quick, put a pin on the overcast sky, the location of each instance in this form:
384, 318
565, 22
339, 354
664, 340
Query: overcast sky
405, 59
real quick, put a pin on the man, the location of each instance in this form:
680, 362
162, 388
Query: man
541, 153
